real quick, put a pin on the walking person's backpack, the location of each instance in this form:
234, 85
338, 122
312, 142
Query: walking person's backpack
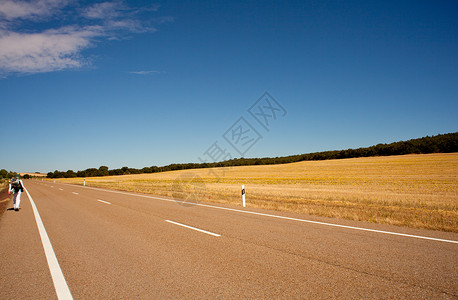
17, 186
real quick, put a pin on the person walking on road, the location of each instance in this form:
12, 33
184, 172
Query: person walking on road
17, 187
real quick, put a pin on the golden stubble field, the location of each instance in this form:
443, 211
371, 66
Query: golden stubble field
417, 191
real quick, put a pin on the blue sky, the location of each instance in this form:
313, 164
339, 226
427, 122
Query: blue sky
142, 83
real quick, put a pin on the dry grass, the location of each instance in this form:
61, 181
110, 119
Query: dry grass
33, 174
412, 190
3, 184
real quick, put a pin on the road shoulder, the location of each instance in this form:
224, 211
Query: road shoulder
4, 201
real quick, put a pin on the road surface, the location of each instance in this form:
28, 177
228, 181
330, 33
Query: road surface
111, 245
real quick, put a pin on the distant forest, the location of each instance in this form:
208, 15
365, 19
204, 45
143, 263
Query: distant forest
442, 143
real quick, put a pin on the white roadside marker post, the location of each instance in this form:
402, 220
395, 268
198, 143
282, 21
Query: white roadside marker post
243, 196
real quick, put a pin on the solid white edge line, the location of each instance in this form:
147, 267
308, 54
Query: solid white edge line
282, 217
62, 290
194, 228
103, 201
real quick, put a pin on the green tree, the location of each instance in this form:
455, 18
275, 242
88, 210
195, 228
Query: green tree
103, 171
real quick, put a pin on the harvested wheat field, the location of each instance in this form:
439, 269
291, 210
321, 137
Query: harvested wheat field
417, 191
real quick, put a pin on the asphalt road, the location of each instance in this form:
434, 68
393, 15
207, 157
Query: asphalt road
133, 246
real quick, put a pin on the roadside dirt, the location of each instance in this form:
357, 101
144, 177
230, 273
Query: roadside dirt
4, 201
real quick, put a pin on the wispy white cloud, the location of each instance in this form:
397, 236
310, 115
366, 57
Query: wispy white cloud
104, 10
12, 9
52, 49
117, 16
164, 19
134, 26
145, 72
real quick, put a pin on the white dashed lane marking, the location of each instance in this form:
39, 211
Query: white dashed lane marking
103, 201
193, 228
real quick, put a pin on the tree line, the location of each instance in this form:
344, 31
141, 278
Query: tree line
442, 143
4, 174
